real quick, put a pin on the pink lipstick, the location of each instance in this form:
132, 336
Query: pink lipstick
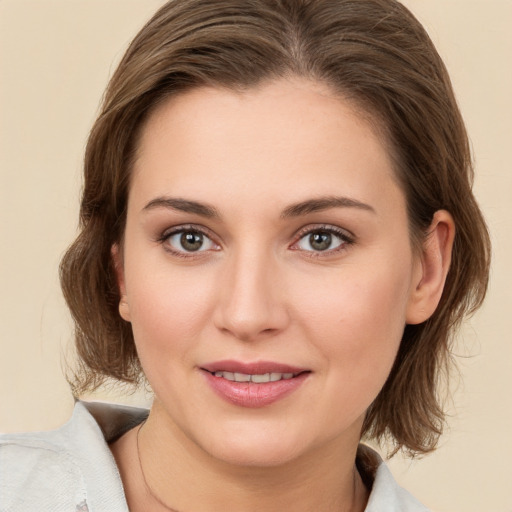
253, 384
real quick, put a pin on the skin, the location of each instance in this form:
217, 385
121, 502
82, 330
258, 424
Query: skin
258, 290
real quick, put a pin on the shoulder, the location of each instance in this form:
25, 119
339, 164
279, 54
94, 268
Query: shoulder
385, 495
33, 466
64, 469
38, 465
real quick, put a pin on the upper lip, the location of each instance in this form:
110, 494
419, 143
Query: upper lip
254, 368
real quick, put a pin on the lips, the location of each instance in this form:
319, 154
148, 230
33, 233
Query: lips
253, 384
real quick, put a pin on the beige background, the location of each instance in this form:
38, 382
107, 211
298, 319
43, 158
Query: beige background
55, 59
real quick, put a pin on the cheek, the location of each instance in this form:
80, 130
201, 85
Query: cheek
357, 328
358, 320
168, 309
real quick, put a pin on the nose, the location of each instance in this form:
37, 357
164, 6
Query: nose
251, 301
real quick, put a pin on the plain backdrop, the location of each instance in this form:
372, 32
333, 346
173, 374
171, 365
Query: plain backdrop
55, 59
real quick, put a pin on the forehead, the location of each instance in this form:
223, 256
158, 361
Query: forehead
288, 139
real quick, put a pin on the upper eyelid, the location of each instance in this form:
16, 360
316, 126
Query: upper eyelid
166, 233
343, 232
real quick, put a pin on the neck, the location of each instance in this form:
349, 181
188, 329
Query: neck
175, 474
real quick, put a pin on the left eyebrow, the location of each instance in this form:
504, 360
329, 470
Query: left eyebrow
323, 203
183, 205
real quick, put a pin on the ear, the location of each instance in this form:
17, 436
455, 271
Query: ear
431, 269
117, 258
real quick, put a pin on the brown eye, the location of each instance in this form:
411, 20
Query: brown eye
191, 241
186, 241
320, 241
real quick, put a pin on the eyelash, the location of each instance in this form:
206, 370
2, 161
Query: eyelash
345, 238
166, 235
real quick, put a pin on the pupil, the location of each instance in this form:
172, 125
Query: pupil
320, 241
191, 241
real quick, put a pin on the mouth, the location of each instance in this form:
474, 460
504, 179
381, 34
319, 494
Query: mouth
258, 378
253, 384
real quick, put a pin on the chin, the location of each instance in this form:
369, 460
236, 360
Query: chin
255, 449
271, 455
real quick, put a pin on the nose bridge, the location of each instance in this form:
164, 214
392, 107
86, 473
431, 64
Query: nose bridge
252, 301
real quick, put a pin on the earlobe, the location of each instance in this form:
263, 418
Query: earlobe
124, 307
433, 265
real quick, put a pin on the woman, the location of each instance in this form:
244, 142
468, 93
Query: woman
278, 232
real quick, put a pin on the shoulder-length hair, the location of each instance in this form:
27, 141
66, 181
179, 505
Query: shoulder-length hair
373, 52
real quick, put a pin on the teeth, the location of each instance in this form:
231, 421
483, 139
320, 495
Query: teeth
256, 378
260, 378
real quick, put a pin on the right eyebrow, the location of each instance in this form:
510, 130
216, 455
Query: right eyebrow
183, 205
319, 204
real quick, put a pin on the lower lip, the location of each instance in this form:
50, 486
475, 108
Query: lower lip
251, 394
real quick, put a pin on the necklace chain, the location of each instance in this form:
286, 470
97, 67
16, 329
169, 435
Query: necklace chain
148, 488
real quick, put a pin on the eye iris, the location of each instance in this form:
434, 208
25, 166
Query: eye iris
191, 241
320, 241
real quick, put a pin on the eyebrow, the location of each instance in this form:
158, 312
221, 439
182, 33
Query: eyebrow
323, 203
183, 205
294, 210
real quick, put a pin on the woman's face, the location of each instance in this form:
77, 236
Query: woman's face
266, 270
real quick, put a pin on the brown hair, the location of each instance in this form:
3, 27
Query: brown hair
371, 51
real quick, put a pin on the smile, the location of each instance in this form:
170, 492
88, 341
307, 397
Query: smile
253, 385
257, 378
